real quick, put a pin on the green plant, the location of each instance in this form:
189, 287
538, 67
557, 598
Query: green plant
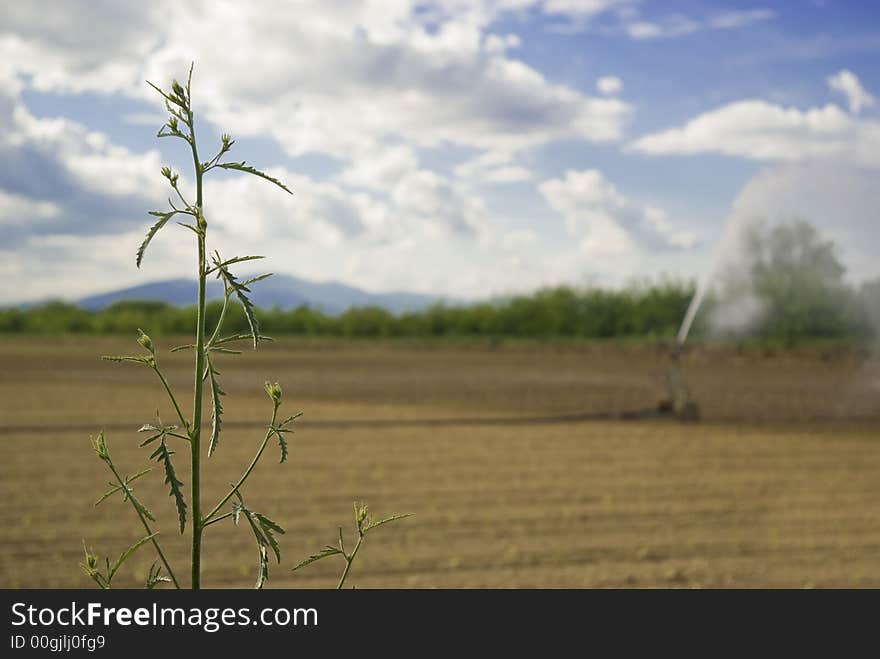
364, 521
162, 437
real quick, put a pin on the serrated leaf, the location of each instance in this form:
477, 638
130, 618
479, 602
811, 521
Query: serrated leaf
143, 472
291, 418
163, 456
139, 359
188, 346
254, 280
141, 508
268, 527
155, 577
216, 408
224, 351
240, 337
264, 568
263, 545
151, 439
324, 553
241, 292
108, 494
242, 167
161, 222
126, 554
387, 520
234, 259
282, 443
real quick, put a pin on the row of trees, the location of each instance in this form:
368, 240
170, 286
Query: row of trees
557, 312
788, 286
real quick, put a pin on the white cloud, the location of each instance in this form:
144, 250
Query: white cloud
17, 210
67, 179
328, 78
607, 221
371, 84
492, 167
763, 131
609, 85
499, 45
629, 20
737, 19
380, 168
670, 26
848, 84
583, 8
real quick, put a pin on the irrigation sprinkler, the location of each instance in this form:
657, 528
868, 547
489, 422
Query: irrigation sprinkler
679, 403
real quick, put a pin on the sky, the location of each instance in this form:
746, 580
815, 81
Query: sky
464, 148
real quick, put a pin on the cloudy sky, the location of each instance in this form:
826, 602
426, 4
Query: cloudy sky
461, 147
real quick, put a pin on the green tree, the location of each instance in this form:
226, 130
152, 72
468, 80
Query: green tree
798, 278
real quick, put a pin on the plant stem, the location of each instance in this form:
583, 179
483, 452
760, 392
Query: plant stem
180, 416
222, 314
348, 561
247, 471
216, 519
146, 525
196, 429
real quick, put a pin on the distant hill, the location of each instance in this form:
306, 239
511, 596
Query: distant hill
284, 291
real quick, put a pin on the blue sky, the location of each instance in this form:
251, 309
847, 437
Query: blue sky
464, 148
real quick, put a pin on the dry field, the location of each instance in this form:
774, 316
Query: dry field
778, 486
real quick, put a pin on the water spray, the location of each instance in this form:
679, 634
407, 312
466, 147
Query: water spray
679, 402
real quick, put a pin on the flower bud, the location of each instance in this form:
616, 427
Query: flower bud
361, 513
100, 446
274, 391
91, 560
145, 341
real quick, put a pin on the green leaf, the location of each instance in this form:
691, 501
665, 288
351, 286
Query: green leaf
189, 346
161, 222
291, 418
262, 544
127, 553
241, 291
235, 259
240, 337
141, 508
254, 280
387, 520
282, 443
324, 553
143, 472
151, 439
264, 568
216, 408
242, 167
163, 455
119, 488
147, 360
268, 526
108, 494
155, 577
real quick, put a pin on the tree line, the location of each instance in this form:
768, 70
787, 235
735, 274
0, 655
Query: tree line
791, 277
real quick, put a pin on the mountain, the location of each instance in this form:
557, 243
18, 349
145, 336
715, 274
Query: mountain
284, 291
